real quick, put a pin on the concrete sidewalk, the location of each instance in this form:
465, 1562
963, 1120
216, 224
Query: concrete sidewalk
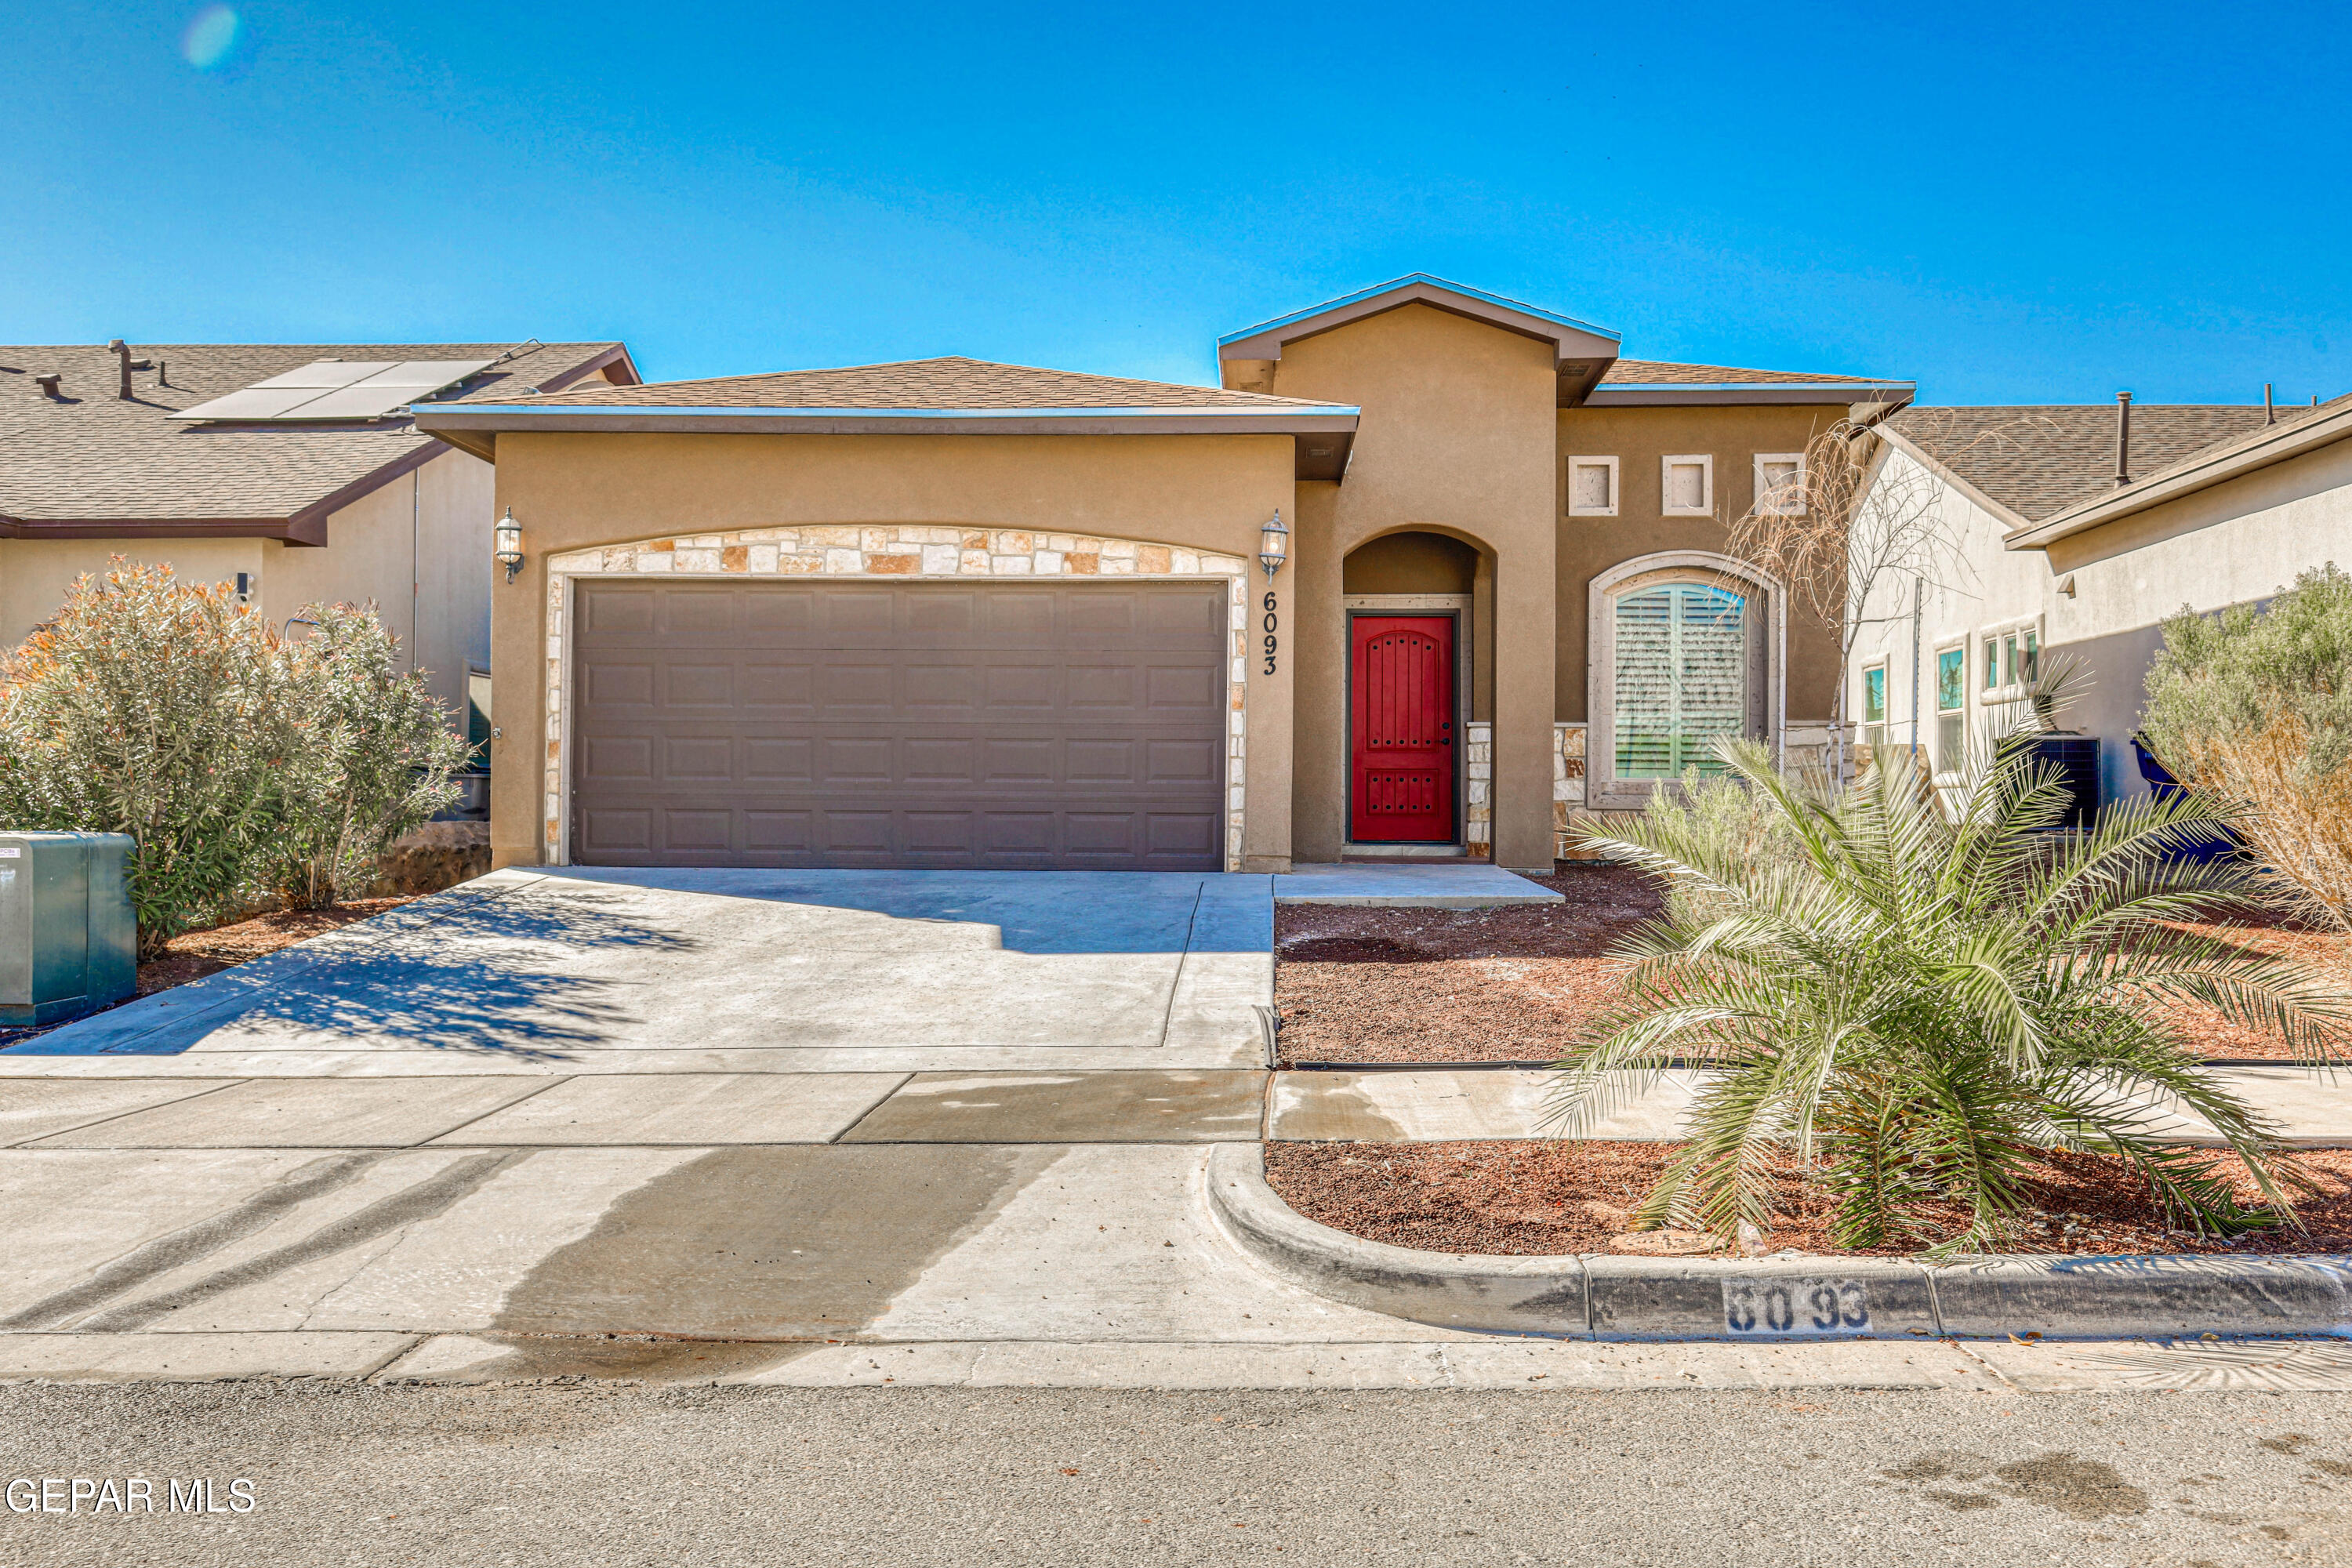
2313, 1110
1407, 884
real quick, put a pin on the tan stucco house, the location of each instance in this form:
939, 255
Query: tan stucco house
289, 499
2071, 531
961, 615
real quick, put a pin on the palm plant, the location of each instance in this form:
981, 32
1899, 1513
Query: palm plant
1926, 996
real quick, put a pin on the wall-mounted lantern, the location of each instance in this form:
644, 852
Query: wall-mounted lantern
1273, 545
506, 543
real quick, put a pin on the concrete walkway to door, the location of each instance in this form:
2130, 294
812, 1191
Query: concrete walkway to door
582, 970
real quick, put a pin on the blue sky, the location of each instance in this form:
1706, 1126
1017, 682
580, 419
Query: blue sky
2008, 202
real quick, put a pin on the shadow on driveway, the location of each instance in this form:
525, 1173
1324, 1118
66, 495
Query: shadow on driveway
495, 975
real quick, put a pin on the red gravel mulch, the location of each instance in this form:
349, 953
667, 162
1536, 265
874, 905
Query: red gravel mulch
196, 953
2327, 954
1352, 984
1551, 1197
1362, 984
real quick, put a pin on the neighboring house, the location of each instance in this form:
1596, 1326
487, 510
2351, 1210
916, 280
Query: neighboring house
948, 613
307, 494
2054, 556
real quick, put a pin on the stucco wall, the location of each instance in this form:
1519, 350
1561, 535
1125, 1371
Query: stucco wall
2236, 543
570, 491
35, 572
1457, 437
1640, 438
431, 527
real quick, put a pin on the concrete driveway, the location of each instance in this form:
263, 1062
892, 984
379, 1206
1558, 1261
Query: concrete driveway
583, 971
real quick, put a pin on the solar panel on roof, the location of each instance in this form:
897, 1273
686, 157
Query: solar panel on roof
337, 389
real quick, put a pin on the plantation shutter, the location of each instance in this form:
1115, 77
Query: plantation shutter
1682, 678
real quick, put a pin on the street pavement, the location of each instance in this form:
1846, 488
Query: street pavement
607, 1475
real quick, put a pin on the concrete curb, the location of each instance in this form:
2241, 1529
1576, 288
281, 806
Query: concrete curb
1607, 1297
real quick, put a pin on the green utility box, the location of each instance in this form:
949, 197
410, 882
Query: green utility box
69, 941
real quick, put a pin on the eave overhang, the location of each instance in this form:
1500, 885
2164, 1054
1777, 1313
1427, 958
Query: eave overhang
1323, 432
307, 525
1884, 397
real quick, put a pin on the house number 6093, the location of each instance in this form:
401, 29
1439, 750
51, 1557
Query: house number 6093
1271, 622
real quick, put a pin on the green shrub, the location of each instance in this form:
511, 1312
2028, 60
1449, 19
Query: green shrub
1720, 808
244, 766
2256, 705
150, 708
1926, 996
371, 757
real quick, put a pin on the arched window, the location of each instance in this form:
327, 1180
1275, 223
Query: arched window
1682, 678
1684, 655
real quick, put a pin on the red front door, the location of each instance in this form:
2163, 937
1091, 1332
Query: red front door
1401, 712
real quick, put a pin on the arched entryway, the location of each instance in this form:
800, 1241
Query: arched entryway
1414, 683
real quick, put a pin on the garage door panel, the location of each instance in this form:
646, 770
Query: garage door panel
767, 832
619, 614
689, 614
934, 761
608, 830
950, 691
852, 761
782, 610
868, 616
698, 760
947, 725
698, 686
1018, 759
622, 759
1173, 688
1180, 763
770, 682
778, 760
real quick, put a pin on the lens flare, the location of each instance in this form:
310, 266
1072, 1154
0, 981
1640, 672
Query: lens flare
209, 38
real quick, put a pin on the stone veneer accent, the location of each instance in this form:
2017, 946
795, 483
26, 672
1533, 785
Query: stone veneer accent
889, 551
1478, 811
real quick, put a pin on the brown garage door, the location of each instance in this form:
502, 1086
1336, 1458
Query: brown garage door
1017, 726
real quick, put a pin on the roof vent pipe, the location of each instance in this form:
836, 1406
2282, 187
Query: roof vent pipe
2123, 438
50, 386
122, 350
2270, 413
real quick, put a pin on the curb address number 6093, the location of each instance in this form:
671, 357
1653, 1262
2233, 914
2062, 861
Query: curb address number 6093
1801, 1307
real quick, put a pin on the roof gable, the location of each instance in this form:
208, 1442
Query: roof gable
1582, 350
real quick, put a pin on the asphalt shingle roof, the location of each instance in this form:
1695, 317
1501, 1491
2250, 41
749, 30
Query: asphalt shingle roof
952, 381
1654, 372
2040, 459
96, 457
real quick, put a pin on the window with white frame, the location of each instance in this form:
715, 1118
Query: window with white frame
1780, 483
1874, 705
1951, 708
1682, 677
1592, 487
2011, 661
1686, 485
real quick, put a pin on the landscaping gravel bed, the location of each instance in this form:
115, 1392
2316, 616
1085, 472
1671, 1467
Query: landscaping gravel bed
1546, 1197
196, 953
1358, 985
1353, 983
